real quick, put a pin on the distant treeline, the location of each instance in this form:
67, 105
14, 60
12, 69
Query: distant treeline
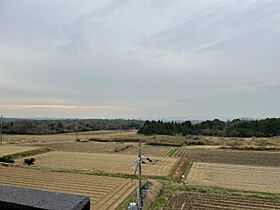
40, 127
235, 128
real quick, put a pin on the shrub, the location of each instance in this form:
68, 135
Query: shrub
118, 149
7, 159
29, 161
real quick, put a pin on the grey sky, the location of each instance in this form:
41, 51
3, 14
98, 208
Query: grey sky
191, 59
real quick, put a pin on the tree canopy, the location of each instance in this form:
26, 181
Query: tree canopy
235, 128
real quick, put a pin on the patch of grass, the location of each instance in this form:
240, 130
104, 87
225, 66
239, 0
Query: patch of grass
173, 169
172, 152
30, 153
97, 133
130, 199
127, 139
159, 143
252, 147
188, 168
159, 203
195, 143
122, 148
159, 177
76, 171
177, 176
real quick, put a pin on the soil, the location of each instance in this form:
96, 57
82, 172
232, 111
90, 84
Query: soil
202, 201
104, 192
257, 158
240, 177
99, 162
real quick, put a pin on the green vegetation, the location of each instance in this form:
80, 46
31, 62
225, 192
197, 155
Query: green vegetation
131, 198
188, 168
7, 159
41, 127
30, 153
172, 152
235, 128
159, 203
76, 171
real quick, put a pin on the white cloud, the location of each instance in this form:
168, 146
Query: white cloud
180, 58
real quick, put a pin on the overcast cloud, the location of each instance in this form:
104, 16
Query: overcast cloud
191, 59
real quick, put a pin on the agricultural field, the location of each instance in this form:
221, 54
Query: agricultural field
103, 163
248, 178
104, 192
117, 147
157, 151
65, 137
9, 150
89, 147
257, 158
112, 153
148, 151
201, 201
132, 136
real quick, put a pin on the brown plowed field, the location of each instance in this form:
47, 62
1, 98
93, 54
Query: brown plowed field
157, 151
104, 192
181, 153
98, 162
240, 177
89, 147
257, 158
203, 201
9, 150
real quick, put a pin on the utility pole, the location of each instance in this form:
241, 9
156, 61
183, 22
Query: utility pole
76, 129
139, 195
140, 192
1, 128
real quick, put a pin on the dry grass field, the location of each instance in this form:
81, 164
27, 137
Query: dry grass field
104, 192
250, 178
132, 136
120, 147
257, 158
9, 150
99, 162
89, 147
25, 139
201, 201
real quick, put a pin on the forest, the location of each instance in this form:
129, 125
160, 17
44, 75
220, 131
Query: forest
236, 128
40, 127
